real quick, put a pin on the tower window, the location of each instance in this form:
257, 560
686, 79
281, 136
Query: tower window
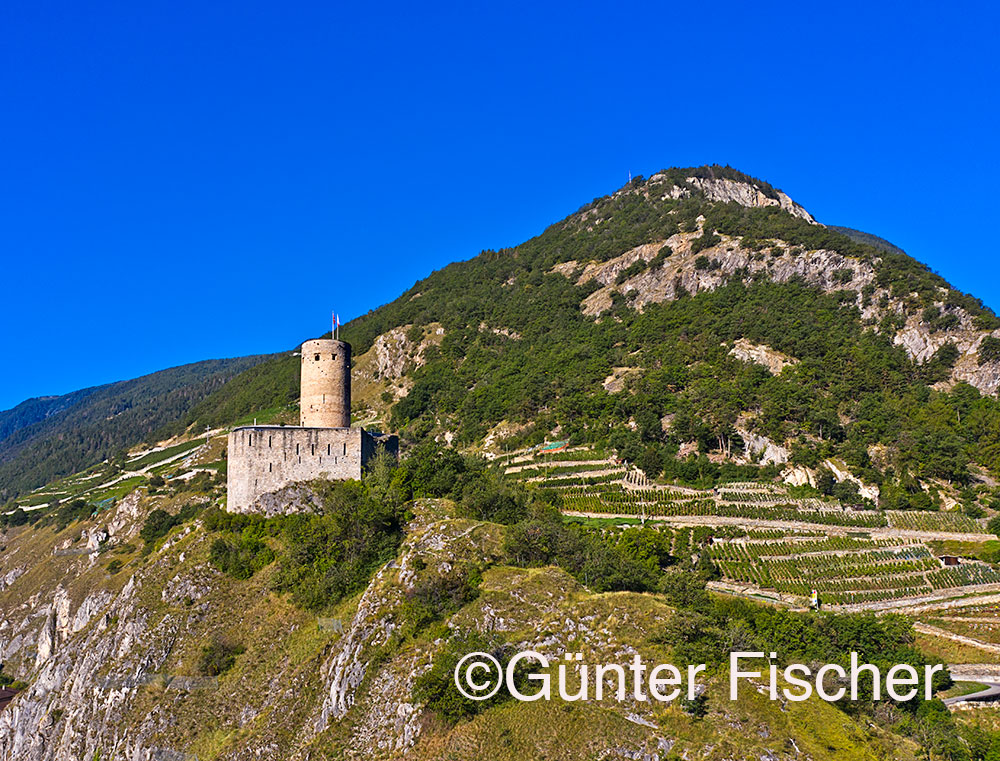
333, 356
317, 358
269, 441
270, 467
345, 448
328, 449
296, 449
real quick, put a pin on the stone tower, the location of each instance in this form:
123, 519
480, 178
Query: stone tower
325, 395
265, 459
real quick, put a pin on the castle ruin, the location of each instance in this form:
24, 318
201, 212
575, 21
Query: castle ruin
265, 458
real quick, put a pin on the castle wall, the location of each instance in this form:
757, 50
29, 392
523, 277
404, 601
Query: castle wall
325, 394
264, 459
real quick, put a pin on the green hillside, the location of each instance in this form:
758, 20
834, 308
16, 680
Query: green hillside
519, 346
739, 408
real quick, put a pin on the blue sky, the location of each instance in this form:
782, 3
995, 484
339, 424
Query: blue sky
185, 180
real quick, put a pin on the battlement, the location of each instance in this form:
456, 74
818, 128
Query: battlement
266, 458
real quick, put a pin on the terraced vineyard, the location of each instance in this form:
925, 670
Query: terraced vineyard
844, 570
871, 557
103, 482
933, 521
613, 499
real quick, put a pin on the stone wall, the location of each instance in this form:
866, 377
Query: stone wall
265, 459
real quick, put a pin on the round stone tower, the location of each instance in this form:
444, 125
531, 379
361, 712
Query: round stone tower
325, 395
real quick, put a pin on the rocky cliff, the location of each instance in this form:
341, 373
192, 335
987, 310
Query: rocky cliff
111, 660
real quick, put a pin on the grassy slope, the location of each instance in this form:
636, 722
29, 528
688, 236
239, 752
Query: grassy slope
270, 697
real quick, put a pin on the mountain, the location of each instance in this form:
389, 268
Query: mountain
659, 428
44, 438
639, 322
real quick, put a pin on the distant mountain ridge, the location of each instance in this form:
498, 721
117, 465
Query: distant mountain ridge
868, 239
47, 437
35, 410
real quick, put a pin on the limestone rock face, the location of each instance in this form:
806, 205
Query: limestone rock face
761, 354
731, 191
297, 498
770, 452
395, 354
828, 271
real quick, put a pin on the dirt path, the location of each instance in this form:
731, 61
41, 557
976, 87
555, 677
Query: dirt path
764, 523
960, 638
596, 464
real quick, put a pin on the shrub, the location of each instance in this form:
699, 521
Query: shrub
994, 525
240, 558
218, 657
661, 256
159, 522
707, 240
435, 688
631, 271
434, 596
70, 512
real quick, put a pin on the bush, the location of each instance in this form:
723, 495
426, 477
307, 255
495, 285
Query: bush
70, 512
436, 689
16, 518
435, 596
994, 525
159, 522
707, 240
240, 558
332, 555
218, 657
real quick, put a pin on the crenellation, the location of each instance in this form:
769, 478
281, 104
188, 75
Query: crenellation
264, 459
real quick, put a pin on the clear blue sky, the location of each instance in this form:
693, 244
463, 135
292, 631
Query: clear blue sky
184, 180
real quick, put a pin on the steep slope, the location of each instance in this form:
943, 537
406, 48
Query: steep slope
41, 439
112, 655
868, 239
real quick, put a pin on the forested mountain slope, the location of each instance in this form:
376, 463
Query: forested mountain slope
636, 322
41, 439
